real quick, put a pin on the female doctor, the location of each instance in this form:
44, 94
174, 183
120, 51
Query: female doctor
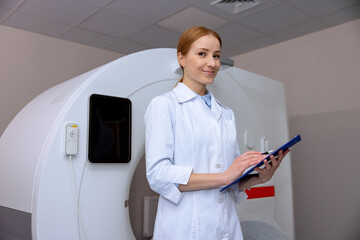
191, 150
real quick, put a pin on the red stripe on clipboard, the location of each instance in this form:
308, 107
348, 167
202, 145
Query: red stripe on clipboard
260, 192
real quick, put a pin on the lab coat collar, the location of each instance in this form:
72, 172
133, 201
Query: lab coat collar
183, 94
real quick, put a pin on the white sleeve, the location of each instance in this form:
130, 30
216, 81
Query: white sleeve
163, 176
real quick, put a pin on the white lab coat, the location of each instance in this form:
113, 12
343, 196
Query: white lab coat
183, 136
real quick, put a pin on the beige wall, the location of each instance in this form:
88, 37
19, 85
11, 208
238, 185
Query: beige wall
321, 73
31, 63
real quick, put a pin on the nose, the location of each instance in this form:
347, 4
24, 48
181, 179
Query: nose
211, 62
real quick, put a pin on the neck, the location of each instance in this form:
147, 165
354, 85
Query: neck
196, 87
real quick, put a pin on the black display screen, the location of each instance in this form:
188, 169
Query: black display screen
109, 129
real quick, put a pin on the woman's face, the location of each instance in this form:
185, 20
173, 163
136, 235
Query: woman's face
201, 63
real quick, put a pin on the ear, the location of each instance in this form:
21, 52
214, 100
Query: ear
180, 59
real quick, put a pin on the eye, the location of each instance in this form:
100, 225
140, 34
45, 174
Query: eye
202, 54
217, 56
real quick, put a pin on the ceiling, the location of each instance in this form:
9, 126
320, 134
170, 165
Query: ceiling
128, 26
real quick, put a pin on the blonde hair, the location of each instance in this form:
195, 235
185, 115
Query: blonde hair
191, 35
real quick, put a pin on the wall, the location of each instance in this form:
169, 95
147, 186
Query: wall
31, 63
321, 73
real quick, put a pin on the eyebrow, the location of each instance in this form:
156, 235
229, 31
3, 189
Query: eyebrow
208, 50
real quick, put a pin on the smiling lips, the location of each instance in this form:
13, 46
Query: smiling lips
209, 72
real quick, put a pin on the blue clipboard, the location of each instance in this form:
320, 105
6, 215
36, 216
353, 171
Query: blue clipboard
287, 145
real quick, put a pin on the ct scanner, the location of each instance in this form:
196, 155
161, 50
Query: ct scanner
36, 178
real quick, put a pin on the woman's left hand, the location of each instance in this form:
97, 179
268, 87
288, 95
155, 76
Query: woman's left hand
268, 171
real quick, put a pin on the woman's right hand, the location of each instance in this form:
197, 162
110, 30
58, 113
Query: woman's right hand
241, 163
200, 181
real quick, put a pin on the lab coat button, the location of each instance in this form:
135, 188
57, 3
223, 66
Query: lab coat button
218, 165
220, 200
